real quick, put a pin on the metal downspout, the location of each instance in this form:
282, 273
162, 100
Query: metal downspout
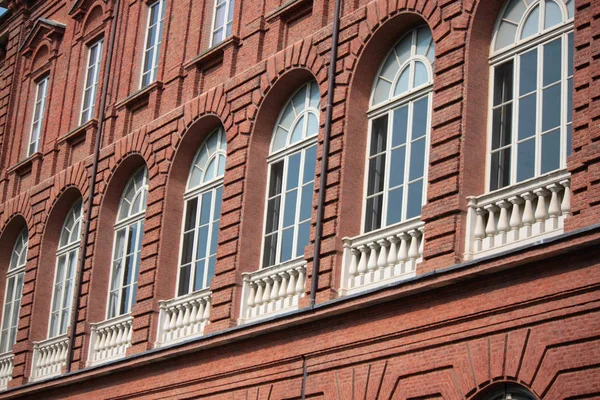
90, 200
325, 158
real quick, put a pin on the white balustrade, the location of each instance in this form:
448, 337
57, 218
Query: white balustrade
183, 317
49, 356
110, 339
380, 257
273, 290
517, 215
6, 368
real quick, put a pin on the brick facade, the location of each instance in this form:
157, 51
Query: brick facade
529, 316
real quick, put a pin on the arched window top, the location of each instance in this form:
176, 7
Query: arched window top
19, 254
525, 19
508, 391
209, 164
299, 119
408, 66
133, 201
71, 228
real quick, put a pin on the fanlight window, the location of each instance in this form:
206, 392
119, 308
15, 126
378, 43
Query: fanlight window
12, 293
509, 392
290, 188
202, 215
532, 69
399, 133
127, 249
64, 277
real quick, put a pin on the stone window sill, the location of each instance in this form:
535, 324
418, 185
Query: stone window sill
214, 55
78, 134
139, 98
26, 165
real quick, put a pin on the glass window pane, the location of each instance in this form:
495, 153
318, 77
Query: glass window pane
400, 126
269, 250
289, 213
390, 67
420, 111
293, 171
297, 133
506, 35
212, 261
570, 54
303, 238
525, 160
423, 40
500, 169
306, 202
205, 206
552, 61
551, 100
378, 135
315, 94
569, 139
273, 215
531, 26
373, 213
553, 15
376, 174
276, 179
515, 10
528, 72
313, 125
415, 198
403, 81
421, 74
382, 91
184, 280
299, 101
397, 166
394, 207
218, 202
417, 159
202, 244
287, 241
503, 83
551, 151
199, 275
220, 16
502, 126
403, 48
527, 116
280, 139
310, 163
187, 248
214, 237
190, 214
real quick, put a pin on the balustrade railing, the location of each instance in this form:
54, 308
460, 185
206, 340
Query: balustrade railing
6, 368
110, 339
517, 215
274, 290
49, 356
382, 256
183, 317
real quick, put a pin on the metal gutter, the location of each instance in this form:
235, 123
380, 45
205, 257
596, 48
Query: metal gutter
90, 200
325, 154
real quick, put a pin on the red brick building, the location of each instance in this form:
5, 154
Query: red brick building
233, 216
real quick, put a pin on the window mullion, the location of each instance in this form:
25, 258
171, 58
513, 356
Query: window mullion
386, 169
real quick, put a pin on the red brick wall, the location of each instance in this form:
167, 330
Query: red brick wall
241, 85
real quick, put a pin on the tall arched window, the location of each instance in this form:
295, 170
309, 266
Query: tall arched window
507, 391
292, 161
66, 263
531, 103
129, 229
399, 132
201, 215
12, 292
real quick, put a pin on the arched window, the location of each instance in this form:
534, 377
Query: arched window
66, 265
202, 213
531, 103
399, 132
12, 292
129, 229
507, 391
292, 161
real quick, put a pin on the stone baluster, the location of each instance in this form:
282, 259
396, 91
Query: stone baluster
554, 207
515, 218
353, 270
503, 221
479, 232
565, 205
491, 227
382, 258
528, 215
541, 211
403, 252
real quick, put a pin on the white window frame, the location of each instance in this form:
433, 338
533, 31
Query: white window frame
125, 224
284, 155
70, 251
388, 107
152, 69
227, 19
197, 192
87, 114
513, 52
12, 276
39, 108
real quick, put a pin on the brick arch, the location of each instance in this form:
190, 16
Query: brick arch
52, 227
185, 149
130, 158
213, 102
271, 104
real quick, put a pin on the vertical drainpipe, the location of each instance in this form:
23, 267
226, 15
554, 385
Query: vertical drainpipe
90, 199
325, 157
